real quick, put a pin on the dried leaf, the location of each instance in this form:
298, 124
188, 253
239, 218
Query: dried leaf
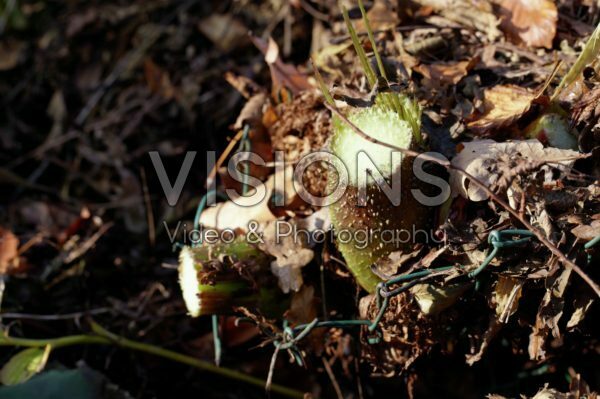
9, 244
582, 305
589, 53
506, 297
232, 215
587, 232
290, 242
291, 253
303, 307
252, 112
78, 21
444, 73
380, 16
483, 158
547, 393
246, 209
549, 313
158, 80
472, 14
282, 75
489, 335
531, 22
433, 299
224, 30
389, 265
503, 105
10, 54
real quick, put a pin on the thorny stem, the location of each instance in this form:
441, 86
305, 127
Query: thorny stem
540, 236
101, 336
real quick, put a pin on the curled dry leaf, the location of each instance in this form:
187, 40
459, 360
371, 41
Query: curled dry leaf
9, 245
291, 253
444, 73
549, 313
486, 159
433, 299
252, 111
389, 265
238, 214
487, 338
282, 75
548, 393
587, 232
290, 242
531, 22
503, 105
506, 297
582, 305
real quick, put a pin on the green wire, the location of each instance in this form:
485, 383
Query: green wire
498, 239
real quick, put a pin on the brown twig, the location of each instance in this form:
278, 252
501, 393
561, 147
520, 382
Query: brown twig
540, 236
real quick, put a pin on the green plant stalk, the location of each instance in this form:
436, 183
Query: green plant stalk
588, 54
392, 99
101, 336
212, 285
379, 214
360, 52
372, 39
322, 85
407, 109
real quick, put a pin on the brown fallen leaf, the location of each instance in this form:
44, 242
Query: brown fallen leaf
158, 80
503, 105
10, 54
476, 15
487, 160
224, 30
582, 305
282, 75
291, 253
506, 297
530, 22
549, 313
444, 73
238, 215
246, 209
388, 266
494, 327
303, 308
380, 16
252, 111
548, 393
587, 232
78, 21
9, 245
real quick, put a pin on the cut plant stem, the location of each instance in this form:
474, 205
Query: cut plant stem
215, 279
380, 221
